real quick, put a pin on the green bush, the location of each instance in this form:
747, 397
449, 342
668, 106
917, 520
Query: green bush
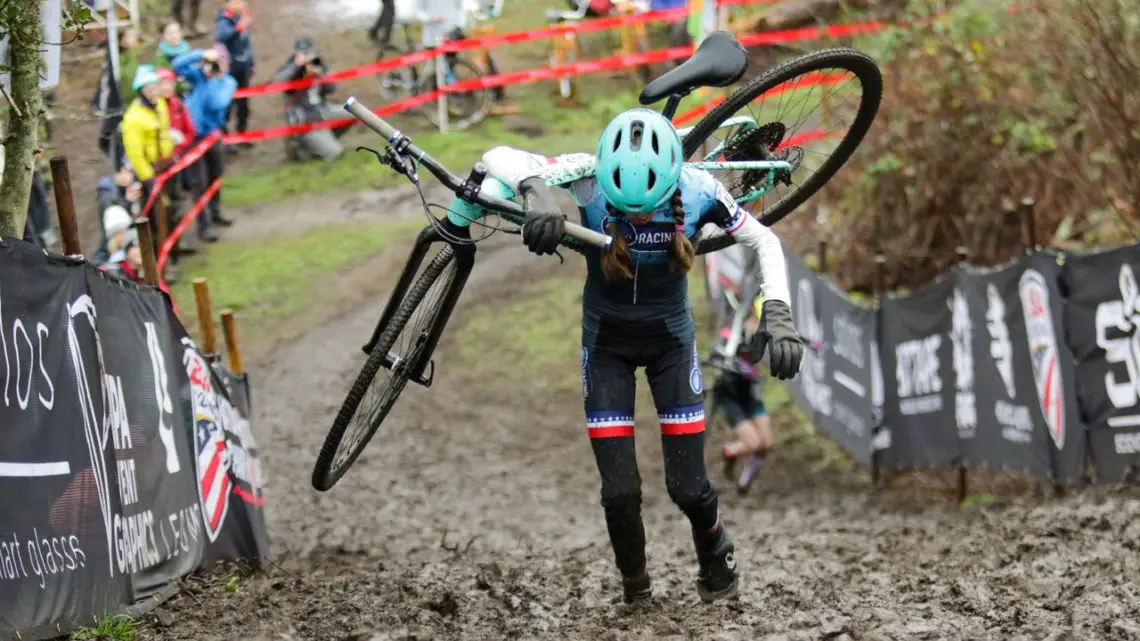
982, 107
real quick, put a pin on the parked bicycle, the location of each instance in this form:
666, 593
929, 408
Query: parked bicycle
759, 155
464, 109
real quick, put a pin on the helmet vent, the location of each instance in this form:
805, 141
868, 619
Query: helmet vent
653, 142
617, 140
636, 130
652, 179
617, 179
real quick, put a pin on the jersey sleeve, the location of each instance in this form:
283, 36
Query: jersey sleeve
723, 211
572, 172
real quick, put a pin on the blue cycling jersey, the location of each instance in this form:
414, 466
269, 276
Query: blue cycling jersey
654, 304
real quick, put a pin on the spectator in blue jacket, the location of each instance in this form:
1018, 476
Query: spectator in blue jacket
211, 92
232, 31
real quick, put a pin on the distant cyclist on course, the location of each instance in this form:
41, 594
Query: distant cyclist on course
636, 314
738, 394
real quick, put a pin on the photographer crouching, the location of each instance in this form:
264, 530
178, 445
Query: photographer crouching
310, 104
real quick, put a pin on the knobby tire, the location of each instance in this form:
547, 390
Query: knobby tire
326, 473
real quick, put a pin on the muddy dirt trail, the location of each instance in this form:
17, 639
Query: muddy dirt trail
474, 515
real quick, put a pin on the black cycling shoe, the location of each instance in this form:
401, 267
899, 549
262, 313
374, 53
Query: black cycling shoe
636, 589
717, 578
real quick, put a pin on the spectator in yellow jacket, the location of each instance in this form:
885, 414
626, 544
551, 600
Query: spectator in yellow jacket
146, 129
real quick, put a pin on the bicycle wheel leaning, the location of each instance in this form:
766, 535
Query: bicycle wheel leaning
464, 108
412, 321
809, 142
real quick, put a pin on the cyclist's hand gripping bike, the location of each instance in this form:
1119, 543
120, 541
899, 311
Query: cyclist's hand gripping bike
761, 155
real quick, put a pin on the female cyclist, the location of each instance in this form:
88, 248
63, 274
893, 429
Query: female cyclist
635, 313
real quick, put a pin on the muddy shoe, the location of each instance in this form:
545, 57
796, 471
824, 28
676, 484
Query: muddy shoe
728, 460
637, 589
752, 467
717, 578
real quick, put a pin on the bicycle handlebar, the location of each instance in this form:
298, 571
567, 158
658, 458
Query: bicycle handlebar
393, 136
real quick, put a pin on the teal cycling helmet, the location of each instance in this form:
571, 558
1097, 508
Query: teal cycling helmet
638, 161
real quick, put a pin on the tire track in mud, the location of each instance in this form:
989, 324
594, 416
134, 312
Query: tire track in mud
474, 514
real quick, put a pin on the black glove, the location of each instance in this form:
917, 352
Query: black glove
777, 334
545, 224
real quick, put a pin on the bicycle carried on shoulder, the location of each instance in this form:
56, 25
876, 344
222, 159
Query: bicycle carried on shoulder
769, 166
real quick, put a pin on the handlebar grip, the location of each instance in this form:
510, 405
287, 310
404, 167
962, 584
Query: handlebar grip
588, 236
374, 122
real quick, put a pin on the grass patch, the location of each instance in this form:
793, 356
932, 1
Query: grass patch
535, 339
111, 628
269, 278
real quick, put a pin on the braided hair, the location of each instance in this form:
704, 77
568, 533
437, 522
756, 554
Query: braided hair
617, 260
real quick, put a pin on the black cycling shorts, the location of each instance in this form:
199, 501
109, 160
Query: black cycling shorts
739, 400
609, 387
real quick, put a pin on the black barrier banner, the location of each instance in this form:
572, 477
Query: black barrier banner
156, 534
100, 506
809, 387
228, 475
848, 332
917, 356
1019, 395
56, 499
1053, 366
1103, 324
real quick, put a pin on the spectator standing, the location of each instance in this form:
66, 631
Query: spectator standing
211, 92
309, 104
232, 32
384, 24
181, 124
111, 93
170, 46
146, 129
196, 29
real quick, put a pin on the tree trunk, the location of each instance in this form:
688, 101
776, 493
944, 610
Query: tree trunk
23, 119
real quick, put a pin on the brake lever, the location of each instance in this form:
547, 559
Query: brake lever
398, 162
561, 260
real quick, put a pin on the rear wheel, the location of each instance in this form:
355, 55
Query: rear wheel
397, 84
795, 113
372, 397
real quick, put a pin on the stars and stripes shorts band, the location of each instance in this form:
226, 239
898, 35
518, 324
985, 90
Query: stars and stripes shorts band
609, 423
689, 419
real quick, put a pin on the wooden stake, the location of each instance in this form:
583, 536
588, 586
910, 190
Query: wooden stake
229, 332
1029, 216
205, 316
65, 206
823, 257
146, 246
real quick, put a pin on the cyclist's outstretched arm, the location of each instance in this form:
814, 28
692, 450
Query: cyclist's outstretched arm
516, 167
723, 211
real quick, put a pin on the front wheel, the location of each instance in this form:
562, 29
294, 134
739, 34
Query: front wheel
796, 112
399, 351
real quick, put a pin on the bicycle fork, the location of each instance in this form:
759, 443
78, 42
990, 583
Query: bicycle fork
464, 257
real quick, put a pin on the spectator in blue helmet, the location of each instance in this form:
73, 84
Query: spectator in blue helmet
211, 92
